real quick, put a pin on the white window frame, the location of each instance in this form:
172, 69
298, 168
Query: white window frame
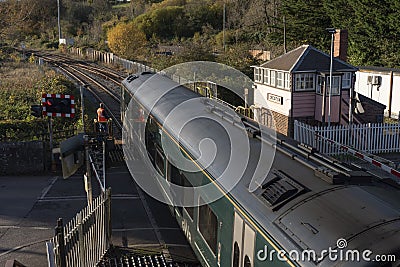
279, 79
336, 80
319, 84
346, 80
287, 81
266, 76
257, 73
273, 77
304, 82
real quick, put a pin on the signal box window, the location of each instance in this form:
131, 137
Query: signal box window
335, 83
208, 226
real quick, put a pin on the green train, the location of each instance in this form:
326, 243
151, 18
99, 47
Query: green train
305, 209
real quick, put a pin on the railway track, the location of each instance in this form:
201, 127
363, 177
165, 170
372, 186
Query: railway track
103, 83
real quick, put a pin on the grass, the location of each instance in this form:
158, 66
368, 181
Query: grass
124, 5
390, 120
17, 90
22, 85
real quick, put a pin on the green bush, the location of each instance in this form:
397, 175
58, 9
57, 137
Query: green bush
22, 130
22, 86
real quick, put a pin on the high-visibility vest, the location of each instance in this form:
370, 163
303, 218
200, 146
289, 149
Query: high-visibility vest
100, 115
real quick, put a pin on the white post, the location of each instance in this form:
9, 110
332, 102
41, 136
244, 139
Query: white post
88, 181
246, 93
50, 254
104, 164
330, 79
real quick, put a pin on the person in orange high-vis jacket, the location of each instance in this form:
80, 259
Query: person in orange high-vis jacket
101, 114
102, 118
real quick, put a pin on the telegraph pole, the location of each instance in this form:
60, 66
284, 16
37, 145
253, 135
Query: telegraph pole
332, 31
284, 35
223, 26
59, 24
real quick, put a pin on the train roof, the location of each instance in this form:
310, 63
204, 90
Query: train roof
305, 201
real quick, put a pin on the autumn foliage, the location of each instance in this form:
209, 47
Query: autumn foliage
126, 40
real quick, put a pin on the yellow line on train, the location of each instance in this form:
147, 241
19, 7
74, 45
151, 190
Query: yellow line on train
222, 191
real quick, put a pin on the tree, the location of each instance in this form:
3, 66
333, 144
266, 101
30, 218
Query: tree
19, 19
199, 14
195, 49
101, 8
176, 18
374, 29
238, 57
165, 22
376, 33
126, 39
306, 23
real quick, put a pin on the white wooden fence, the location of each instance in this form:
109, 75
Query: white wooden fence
374, 138
84, 240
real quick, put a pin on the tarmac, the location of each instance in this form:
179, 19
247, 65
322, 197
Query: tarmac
30, 206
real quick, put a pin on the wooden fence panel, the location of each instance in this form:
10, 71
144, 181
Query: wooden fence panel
84, 240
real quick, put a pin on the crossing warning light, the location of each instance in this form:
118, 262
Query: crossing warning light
58, 105
36, 111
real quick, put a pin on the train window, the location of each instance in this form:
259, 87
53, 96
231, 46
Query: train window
247, 262
178, 177
186, 183
236, 255
208, 226
151, 132
127, 98
160, 162
175, 176
190, 212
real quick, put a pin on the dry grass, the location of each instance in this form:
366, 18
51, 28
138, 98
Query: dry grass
19, 76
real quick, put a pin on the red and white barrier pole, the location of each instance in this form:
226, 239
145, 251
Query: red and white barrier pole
363, 157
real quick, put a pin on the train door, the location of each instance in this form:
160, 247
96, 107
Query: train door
243, 243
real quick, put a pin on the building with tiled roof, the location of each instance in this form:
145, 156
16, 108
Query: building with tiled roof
291, 87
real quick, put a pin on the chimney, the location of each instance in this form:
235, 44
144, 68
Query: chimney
340, 44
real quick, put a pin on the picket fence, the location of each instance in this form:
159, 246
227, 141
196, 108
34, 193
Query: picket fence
84, 240
373, 138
